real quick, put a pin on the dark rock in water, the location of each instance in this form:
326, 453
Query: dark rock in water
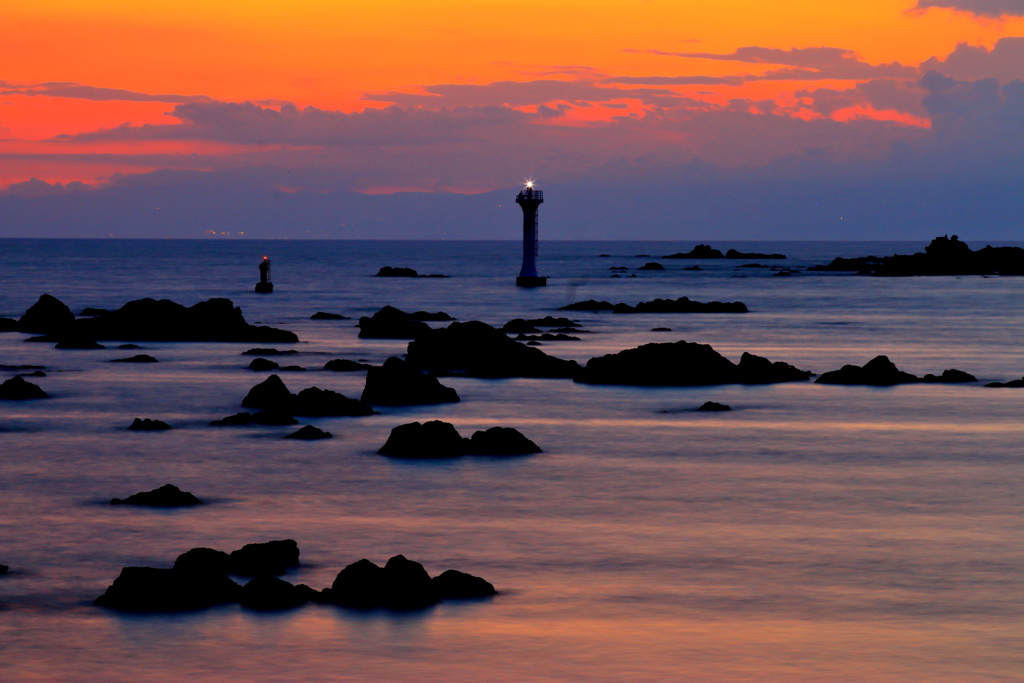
232, 420
604, 255
951, 376
262, 365
483, 351
293, 368
546, 337
148, 425
732, 253
360, 584
320, 315
680, 305
944, 256
661, 329
18, 389
203, 561
8, 325
1012, 384
129, 346
264, 559
167, 496
653, 265
434, 439
343, 365
268, 593
90, 312
878, 372
534, 343
712, 407
269, 352
391, 323
270, 393
4, 569
693, 268
137, 358
699, 251
273, 418
309, 433
37, 373
76, 343
47, 315
397, 383
165, 320
453, 584
618, 268
314, 402
407, 585
519, 325
684, 364
440, 316
501, 441
146, 589
388, 271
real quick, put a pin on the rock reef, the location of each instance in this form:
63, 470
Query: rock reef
321, 315
398, 383
401, 584
943, 256
680, 305
882, 372
732, 253
712, 407
344, 365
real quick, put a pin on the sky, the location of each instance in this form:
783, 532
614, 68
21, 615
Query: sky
728, 118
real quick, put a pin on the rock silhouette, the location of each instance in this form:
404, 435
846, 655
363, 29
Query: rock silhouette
47, 315
397, 383
90, 312
262, 365
878, 372
680, 305
320, 315
19, 389
236, 419
944, 256
1012, 384
699, 251
483, 351
391, 323
453, 584
165, 320
272, 394
684, 364
712, 407
653, 265
269, 352
148, 425
71, 343
138, 358
147, 589
547, 336
400, 585
203, 560
344, 365
269, 593
309, 433
388, 271
500, 441
519, 325
4, 569
437, 439
732, 253
167, 496
275, 418
272, 558
951, 376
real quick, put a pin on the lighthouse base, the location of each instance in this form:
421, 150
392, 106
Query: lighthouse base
264, 287
522, 281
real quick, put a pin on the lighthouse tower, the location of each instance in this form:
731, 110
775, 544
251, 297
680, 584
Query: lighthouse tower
530, 199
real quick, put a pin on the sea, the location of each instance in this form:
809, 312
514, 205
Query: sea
813, 534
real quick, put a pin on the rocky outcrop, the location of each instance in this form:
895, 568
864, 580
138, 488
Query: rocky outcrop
684, 364
4, 569
165, 320
167, 496
47, 315
547, 336
273, 418
699, 251
878, 372
263, 365
712, 407
1012, 384
483, 351
344, 365
944, 256
951, 376
454, 585
271, 393
400, 585
147, 589
388, 271
680, 305
8, 325
137, 358
321, 315
653, 265
397, 383
309, 433
148, 425
732, 253
436, 439
391, 323
19, 389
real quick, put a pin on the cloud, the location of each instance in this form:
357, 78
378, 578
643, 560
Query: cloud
982, 8
813, 63
884, 94
1004, 61
89, 92
35, 188
678, 80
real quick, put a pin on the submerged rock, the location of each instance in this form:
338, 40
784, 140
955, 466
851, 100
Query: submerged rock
951, 376
483, 351
147, 589
397, 383
712, 407
309, 433
391, 323
433, 439
138, 358
453, 584
320, 315
148, 425
19, 389
344, 365
878, 372
653, 265
684, 364
269, 593
699, 251
47, 315
167, 496
272, 558
293, 368
500, 441
680, 305
262, 365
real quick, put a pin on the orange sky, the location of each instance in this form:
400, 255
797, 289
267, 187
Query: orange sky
328, 53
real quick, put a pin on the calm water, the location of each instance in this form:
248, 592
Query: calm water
814, 534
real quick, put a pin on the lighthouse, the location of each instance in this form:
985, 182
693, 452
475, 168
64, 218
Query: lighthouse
264, 286
530, 199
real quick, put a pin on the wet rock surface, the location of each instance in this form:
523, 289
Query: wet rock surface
878, 372
309, 433
483, 351
19, 389
684, 364
148, 425
398, 383
167, 496
680, 305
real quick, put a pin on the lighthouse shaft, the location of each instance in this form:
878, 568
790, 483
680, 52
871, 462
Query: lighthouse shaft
530, 199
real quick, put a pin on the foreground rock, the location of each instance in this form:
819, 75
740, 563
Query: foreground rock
680, 305
19, 389
397, 383
712, 407
47, 315
137, 358
309, 433
344, 365
401, 585
878, 372
167, 496
436, 439
483, 351
684, 364
944, 256
165, 320
702, 251
388, 271
148, 425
